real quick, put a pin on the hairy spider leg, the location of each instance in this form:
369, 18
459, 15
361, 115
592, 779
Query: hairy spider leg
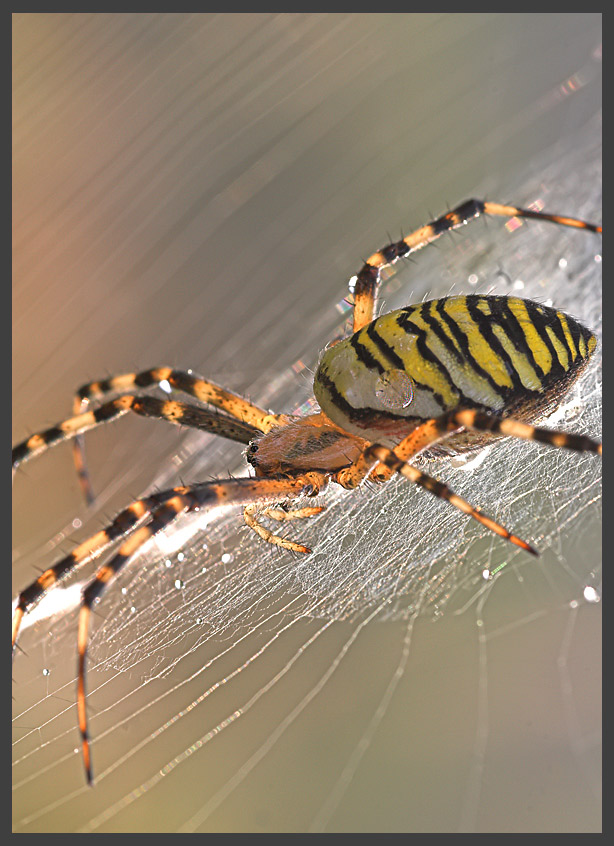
250, 513
160, 509
449, 423
368, 278
123, 523
201, 389
172, 411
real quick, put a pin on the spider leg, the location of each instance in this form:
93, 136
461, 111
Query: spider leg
440, 427
160, 517
376, 453
172, 411
250, 512
161, 508
202, 390
368, 278
282, 514
92, 547
483, 422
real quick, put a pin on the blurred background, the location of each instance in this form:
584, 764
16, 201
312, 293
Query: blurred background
196, 191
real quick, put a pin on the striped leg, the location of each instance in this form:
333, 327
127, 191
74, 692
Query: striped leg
250, 513
377, 454
170, 504
205, 391
174, 412
368, 278
480, 421
123, 523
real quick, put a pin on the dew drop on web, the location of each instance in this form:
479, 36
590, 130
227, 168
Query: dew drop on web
394, 389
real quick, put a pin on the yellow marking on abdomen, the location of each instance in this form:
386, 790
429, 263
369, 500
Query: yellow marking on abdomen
423, 371
522, 365
559, 348
479, 347
540, 351
563, 321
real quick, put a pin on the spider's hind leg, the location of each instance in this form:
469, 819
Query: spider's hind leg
368, 278
376, 455
381, 462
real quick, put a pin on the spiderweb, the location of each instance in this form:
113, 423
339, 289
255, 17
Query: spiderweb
209, 626
193, 190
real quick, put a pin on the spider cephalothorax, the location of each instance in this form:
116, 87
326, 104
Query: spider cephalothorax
445, 373
304, 443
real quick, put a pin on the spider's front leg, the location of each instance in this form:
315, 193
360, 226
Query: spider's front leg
179, 413
248, 418
366, 281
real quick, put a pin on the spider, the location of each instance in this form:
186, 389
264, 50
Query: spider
446, 374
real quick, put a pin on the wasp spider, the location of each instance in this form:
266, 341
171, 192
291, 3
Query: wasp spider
447, 370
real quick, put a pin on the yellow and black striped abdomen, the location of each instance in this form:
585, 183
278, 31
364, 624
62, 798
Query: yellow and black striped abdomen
501, 354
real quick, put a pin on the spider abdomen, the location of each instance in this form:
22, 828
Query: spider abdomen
502, 354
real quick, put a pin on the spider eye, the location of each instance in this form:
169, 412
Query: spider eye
394, 389
250, 454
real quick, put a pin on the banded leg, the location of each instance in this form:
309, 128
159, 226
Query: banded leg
377, 454
250, 513
205, 391
172, 411
368, 278
123, 523
434, 430
189, 498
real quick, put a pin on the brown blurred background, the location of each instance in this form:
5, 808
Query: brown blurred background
196, 190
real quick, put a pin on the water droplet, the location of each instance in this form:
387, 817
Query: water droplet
168, 563
590, 594
227, 558
179, 584
180, 556
394, 389
46, 672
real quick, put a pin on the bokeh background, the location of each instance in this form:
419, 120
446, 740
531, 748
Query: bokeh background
196, 190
